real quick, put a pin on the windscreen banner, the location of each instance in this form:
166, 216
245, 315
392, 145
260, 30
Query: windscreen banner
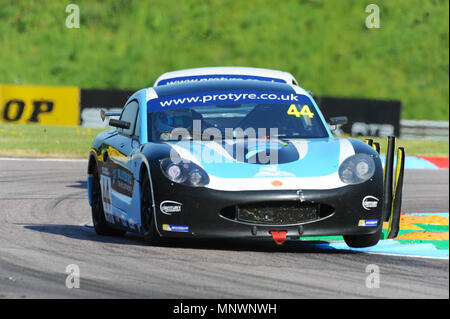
225, 98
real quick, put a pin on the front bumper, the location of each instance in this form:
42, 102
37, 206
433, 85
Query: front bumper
201, 214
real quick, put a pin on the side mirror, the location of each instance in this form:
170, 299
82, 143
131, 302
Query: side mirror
335, 123
119, 124
338, 120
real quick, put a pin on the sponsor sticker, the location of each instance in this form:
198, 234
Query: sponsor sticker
277, 183
175, 228
216, 77
272, 171
105, 184
370, 202
368, 222
168, 207
105, 171
122, 181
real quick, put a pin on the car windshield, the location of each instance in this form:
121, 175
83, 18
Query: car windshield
227, 121
233, 114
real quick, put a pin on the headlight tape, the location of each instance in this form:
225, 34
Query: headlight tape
394, 220
388, 178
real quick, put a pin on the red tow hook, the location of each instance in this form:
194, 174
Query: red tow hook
279, 236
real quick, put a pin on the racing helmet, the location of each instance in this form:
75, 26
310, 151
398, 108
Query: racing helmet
166, 121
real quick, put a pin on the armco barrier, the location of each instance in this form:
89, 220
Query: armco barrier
433, 130
56, 105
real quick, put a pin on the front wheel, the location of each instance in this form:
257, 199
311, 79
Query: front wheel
98, 215
150, 233
360, 241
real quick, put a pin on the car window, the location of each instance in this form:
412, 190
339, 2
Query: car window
136, 129
129, 115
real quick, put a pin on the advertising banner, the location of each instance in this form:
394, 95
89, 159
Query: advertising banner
55, 105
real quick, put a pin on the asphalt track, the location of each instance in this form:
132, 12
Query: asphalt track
43, 207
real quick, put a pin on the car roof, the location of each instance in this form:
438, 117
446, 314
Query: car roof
223, 73
219, 85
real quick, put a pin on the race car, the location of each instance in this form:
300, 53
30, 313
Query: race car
232, 159
224, 73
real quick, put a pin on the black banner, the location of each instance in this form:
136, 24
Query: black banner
107, 98
366, 117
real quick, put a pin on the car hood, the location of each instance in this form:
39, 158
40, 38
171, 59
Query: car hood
268, 164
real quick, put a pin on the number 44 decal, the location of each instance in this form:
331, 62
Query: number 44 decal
304, 111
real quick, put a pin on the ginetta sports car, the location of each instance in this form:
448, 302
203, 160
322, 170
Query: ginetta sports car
232, 159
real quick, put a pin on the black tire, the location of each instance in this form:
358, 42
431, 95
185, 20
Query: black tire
98, 215
360, 241
151, 236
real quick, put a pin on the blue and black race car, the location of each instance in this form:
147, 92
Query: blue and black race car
236, 159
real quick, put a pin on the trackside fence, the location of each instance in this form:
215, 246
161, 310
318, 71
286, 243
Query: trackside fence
433, 130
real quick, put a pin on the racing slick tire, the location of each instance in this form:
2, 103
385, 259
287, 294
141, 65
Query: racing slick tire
360, 241
151, 236
98, 215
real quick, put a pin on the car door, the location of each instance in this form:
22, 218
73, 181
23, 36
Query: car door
122, 146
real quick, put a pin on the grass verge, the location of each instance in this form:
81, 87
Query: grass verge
42, 141
419, 147
45, 141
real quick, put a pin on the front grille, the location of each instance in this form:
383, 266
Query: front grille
276, 213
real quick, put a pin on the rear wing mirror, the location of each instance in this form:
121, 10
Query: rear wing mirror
336, 123
119, 124
114, 122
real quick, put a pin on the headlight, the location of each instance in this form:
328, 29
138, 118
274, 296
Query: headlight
195, 177
174, 173
184, 172
357, 169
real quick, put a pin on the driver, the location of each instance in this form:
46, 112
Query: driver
167, 121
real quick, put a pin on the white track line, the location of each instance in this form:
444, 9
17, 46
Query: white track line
42, 159
401, 255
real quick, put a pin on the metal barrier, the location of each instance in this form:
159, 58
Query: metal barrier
433, 130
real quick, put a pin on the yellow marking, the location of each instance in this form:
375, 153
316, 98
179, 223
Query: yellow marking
400, 159
408, 222
425, 235
411, 222
374, 146
429, 220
